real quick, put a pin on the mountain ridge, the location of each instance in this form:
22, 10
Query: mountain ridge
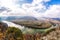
9, 18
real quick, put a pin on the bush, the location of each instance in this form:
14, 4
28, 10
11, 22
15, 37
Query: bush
15, 32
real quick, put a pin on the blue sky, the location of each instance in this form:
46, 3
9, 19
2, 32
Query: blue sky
52, 2
36, 8
21, 2
25, 1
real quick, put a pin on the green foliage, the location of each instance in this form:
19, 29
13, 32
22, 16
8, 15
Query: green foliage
15, 31
34, 31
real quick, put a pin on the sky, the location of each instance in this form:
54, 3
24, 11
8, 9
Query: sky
36, 8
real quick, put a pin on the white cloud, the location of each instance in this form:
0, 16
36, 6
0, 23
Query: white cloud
36, 9
7, 3
53, 11
27, 9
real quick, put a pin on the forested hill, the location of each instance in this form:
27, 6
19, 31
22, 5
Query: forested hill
9, 33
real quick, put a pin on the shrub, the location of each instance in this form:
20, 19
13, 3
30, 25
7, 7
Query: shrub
16, 33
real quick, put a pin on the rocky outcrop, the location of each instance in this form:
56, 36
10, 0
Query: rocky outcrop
3, 27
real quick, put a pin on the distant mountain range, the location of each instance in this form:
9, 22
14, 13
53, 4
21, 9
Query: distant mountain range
58, 19
27, 18
9, 18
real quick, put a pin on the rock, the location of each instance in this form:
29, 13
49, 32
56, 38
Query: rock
3, 26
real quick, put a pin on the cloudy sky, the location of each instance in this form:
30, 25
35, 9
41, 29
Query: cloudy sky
36, 8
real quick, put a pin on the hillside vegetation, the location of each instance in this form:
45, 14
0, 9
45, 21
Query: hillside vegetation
10, 33
34, 24
33, 30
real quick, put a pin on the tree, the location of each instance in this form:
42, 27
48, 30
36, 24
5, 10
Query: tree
15, 33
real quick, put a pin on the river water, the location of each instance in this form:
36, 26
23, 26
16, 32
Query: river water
24, 29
